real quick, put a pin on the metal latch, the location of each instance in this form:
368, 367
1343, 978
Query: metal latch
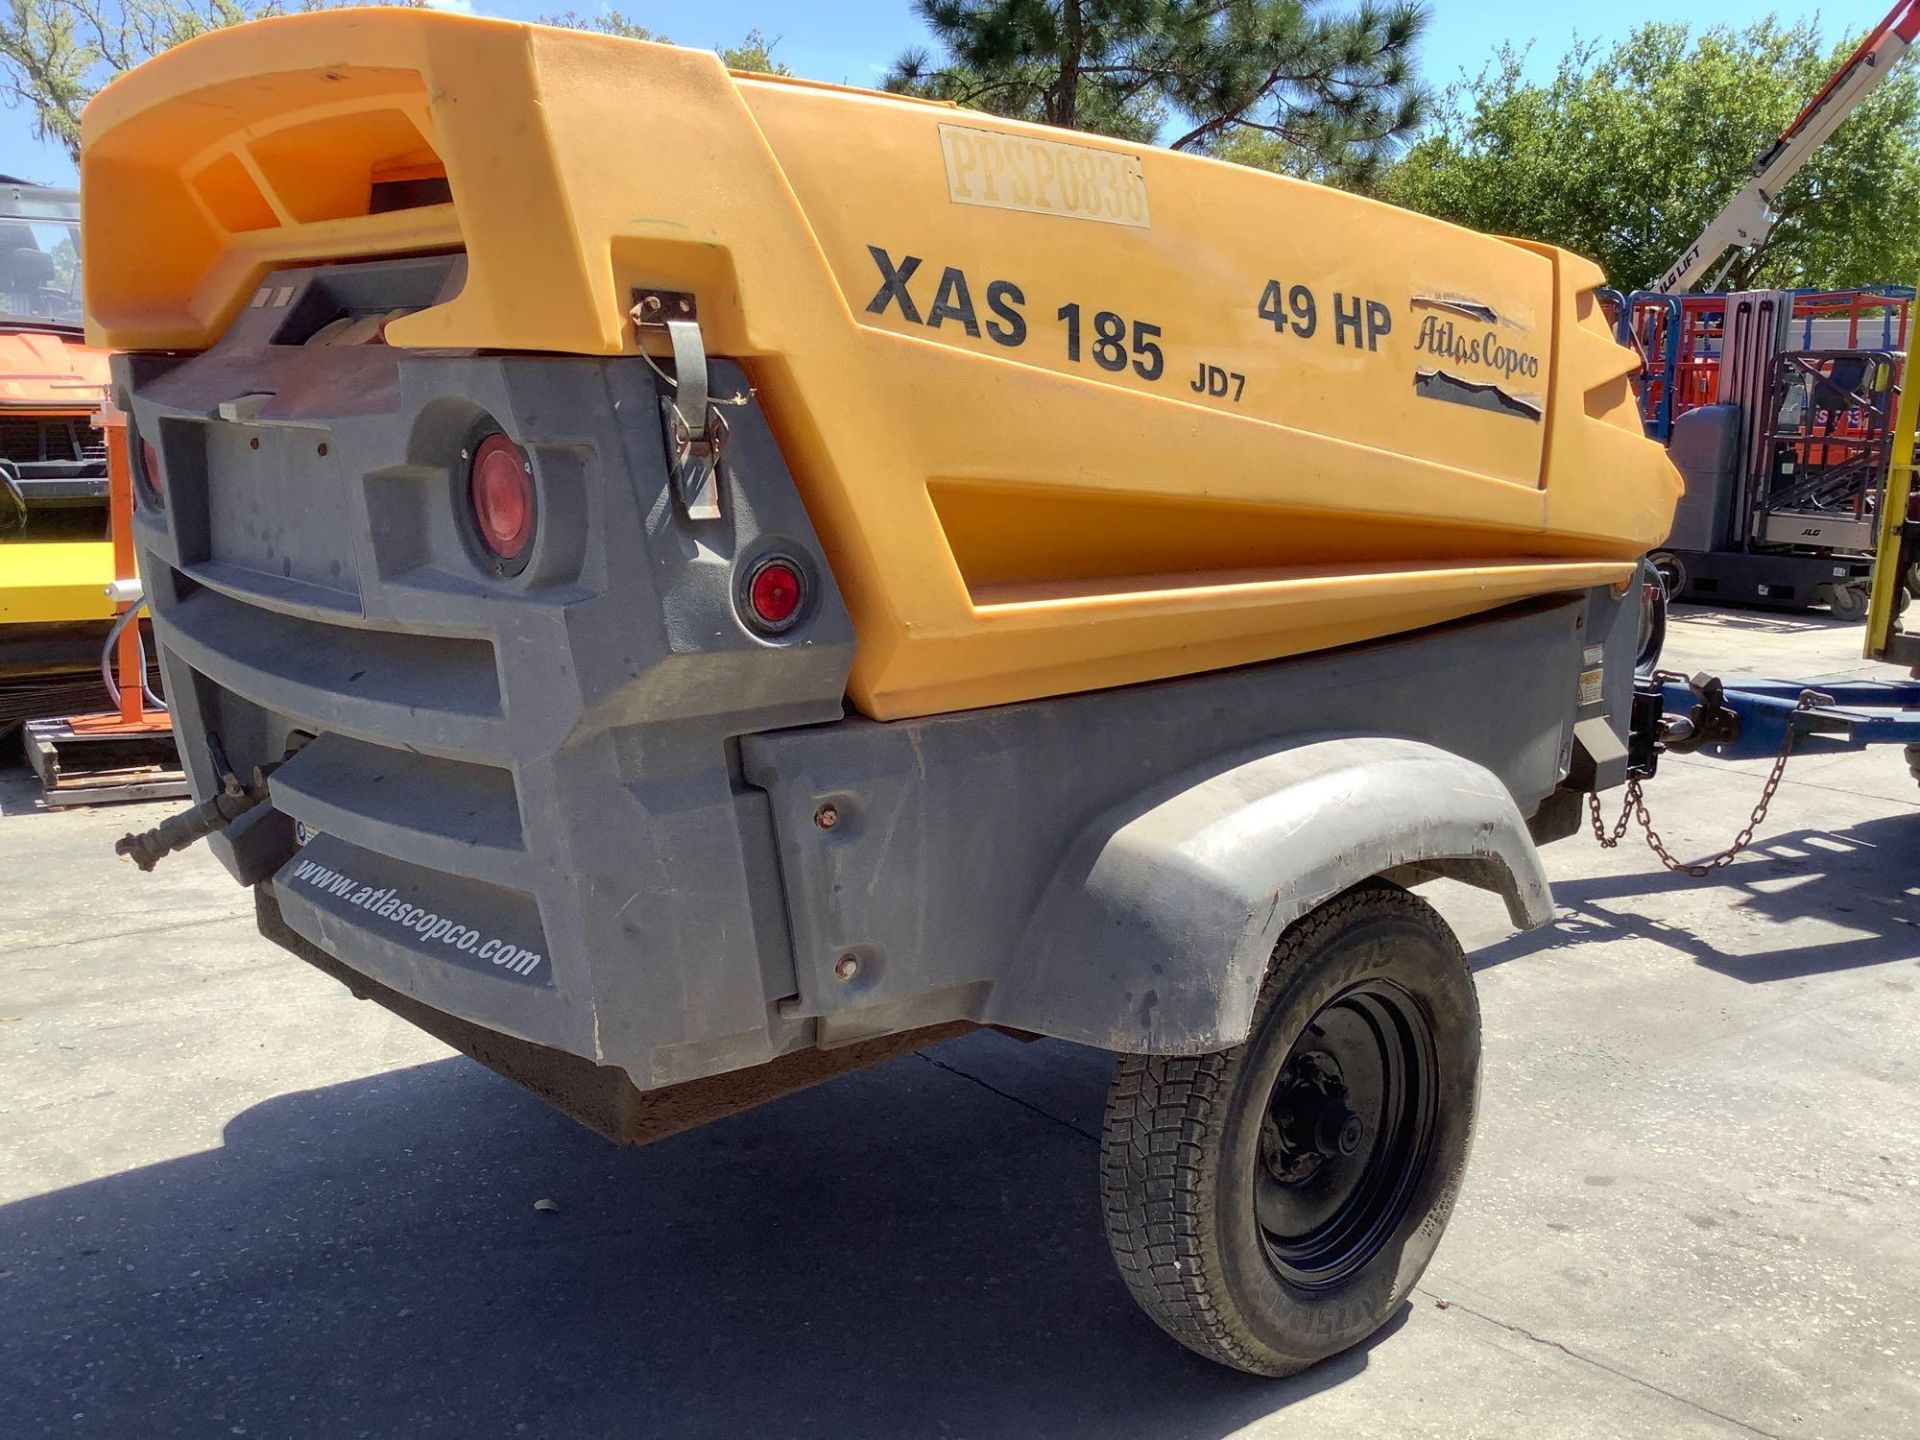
696, 430
243, 409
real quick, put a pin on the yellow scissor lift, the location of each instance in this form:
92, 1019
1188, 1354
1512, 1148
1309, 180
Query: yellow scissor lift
1898, 546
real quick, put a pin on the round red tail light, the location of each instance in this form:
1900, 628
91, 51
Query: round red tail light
150, 473
776, 592
501, 499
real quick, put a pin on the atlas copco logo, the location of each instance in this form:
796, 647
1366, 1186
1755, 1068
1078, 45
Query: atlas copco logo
425, 923
1442, 337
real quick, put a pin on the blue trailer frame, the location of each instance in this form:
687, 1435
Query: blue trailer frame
1838, 716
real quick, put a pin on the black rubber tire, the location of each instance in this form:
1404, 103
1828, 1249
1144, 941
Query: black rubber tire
1653, 618
1181, 1141
1673, 572
1848, 603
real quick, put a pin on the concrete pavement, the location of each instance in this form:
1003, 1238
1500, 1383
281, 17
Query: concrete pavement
235, 1201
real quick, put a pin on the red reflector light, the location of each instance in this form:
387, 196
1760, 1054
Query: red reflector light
500, 493
775, 594
150, 472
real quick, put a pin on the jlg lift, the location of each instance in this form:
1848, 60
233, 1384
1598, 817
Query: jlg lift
1746, 220
1782, 719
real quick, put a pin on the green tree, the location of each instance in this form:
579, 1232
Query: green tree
755, 52
1627, 152
1282, 83
55, 53
607, 22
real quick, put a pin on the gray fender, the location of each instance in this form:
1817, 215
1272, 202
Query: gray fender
1154, 934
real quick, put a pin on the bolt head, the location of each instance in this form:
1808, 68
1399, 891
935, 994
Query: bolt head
846, 967
826, 817
1351, 1134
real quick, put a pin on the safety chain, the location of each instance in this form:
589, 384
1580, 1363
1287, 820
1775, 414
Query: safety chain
1634, 807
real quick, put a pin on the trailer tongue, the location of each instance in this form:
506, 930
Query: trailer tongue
682, 584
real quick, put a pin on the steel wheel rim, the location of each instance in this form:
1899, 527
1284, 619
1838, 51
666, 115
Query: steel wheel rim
1346, 1135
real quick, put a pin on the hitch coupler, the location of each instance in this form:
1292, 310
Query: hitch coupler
149, 847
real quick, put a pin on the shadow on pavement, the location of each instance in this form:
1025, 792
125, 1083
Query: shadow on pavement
900, 1253
19, 787
1860, 879
1760, 622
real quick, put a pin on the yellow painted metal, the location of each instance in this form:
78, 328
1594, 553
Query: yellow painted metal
53, 578
55, 582
1067, 412
1890, 552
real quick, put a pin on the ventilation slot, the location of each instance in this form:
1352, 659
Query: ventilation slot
345, 166
230, 194
351, 303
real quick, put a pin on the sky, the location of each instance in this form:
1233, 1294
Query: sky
854, 41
